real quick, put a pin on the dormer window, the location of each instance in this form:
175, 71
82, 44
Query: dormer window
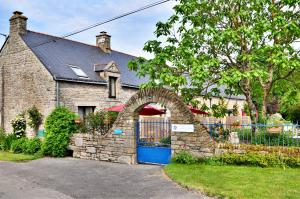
78, 71
112, 87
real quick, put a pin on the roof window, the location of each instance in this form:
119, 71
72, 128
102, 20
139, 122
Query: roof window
78, 71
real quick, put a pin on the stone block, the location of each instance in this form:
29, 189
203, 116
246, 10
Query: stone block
125, 160
90, 149
78, 141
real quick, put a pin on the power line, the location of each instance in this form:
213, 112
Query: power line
98, 24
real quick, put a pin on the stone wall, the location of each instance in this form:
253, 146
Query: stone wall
118, 148
113, 148
73, 95
24, 82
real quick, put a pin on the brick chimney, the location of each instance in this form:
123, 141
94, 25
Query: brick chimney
18, 23
103, 42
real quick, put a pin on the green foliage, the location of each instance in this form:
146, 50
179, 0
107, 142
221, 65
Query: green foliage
25, 145
184, 157
235, 111
33, 146
19, 125
219, 110
249, 46
262, 137
166, 140
294, 113
60, 124
35, 117
9, 139
19, 145
204, 107
100, 122
254, 159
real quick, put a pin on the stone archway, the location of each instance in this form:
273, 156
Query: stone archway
119, 145
198, 142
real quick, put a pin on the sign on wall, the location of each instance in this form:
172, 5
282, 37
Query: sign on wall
182, 127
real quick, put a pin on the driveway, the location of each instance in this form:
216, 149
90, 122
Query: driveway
77, 178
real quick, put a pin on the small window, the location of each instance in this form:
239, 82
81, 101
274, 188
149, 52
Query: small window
83, 111
112, 87
79, 72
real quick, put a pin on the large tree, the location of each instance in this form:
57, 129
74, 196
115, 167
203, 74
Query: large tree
249, 46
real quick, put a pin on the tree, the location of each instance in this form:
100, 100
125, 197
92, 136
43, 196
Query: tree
249, 46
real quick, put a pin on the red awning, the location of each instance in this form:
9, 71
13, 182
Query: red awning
197, 111
147, 110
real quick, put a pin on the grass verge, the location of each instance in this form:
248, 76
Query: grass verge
9, 156
240, 182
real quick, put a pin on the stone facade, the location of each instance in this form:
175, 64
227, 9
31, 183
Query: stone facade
24, 80
73, 95
122, 148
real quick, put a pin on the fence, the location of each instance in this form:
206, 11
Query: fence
258, 134
154, 130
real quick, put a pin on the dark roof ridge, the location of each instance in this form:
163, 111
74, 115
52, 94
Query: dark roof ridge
77, 42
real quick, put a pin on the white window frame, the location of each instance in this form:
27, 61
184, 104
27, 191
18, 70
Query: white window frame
78, 71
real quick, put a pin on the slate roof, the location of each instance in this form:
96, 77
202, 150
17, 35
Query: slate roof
59, 53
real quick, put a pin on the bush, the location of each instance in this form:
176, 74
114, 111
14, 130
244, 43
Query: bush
60, 124
98, 122
19, 125
184, 157
253, 159
19, 145
7, 141
2, 139
33, 146
35, 118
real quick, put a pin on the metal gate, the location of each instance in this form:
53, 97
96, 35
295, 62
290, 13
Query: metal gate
153, 142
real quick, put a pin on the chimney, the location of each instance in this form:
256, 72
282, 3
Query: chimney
103, 42
18, 23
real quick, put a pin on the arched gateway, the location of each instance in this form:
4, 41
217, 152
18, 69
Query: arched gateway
121, 143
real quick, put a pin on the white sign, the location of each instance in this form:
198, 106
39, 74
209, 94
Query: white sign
182, 127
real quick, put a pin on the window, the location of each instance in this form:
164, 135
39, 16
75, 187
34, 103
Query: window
112, 87
79, 72
83, 111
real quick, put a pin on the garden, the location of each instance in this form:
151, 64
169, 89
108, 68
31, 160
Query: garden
59, 126
251, 175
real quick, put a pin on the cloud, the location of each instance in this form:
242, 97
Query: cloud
59, 17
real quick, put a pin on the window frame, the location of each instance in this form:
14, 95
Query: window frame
110, 86
79, 72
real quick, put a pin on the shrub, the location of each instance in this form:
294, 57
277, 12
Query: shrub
33, 146
100, 122
19, 125
60, 124
166, 140
35, 118
8, 140
19, 145
254, 159
184, 157
2, 139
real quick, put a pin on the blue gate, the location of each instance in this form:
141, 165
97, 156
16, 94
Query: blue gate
153, 142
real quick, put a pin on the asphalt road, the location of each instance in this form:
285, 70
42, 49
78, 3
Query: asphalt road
76, 178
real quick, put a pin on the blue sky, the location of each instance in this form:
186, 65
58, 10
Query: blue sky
58, 17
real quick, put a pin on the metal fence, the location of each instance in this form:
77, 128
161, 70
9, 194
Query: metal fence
258, 134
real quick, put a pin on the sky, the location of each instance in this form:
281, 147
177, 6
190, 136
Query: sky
59, 17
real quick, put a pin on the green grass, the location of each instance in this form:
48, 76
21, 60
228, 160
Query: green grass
238, 181
9, 156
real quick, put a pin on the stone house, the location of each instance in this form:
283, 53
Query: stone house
48, 71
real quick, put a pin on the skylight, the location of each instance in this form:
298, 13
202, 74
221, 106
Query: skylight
79, 72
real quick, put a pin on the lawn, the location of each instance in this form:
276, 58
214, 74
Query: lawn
238, 181
8, 156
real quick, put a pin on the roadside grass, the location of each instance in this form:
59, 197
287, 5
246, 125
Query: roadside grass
238, 182
9, 156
